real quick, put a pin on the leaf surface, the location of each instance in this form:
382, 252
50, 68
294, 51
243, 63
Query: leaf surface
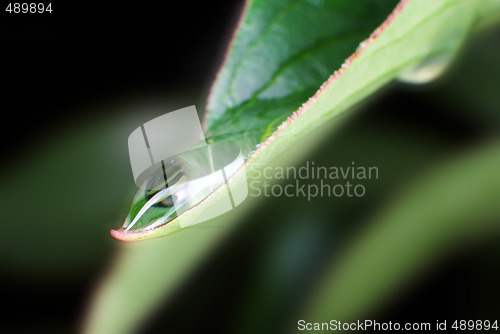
282, 52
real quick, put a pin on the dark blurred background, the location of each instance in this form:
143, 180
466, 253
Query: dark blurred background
76, 82
74, 85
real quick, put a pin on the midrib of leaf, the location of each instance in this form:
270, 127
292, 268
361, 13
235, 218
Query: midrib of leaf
242, 48
405, 32
303, 55
274, 20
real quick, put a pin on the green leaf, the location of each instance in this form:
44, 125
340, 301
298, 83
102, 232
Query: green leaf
415, 32
422, 32
280, 55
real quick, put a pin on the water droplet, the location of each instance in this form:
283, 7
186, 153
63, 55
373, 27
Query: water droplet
177, 184
426, 71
